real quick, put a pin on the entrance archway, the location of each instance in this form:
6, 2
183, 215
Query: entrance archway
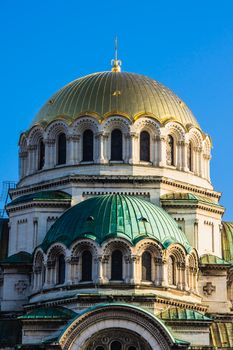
116, 322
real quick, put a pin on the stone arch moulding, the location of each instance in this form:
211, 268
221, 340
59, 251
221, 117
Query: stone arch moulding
118, 316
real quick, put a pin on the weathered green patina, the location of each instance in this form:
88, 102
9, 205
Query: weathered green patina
182, 197
42, 196
209, 259
20, 258
227, 241
176, 313
102, 217
60, 313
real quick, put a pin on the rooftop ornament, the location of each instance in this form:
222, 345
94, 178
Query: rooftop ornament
116, 64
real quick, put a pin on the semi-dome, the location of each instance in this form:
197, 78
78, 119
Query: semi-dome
108, 93
111, 216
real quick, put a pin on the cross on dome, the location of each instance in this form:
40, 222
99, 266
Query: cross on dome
116, 64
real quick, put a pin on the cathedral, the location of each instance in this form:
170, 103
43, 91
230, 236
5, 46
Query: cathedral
114, 238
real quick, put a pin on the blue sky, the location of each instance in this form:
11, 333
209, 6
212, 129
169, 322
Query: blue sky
187, 45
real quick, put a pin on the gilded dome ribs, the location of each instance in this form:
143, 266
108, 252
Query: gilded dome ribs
107, 93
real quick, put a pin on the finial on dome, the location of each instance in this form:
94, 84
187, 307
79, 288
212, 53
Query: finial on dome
116, 64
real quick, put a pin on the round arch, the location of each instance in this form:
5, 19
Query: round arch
122, 317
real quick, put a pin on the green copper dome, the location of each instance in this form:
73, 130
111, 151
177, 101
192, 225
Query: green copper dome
102, 217
110, 93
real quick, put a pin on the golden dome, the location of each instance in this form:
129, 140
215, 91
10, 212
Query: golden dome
116, 93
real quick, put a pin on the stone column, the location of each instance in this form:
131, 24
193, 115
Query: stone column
185, 146
158, 271
134, 156
105, 268
153, 150
74, 273
99, 276
68, 279
162, 139
50, 156
164, 277
200, 158
102, 148
77, 154
208, 167
179, 163
70, 150
31, 159
126, 145
22, 163
127, 269
134, 262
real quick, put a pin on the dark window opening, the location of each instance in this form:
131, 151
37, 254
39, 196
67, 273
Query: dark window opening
170, 150
116, 145
41, 155
146, 266
61, 159
86, 266
61, 269
171, 271
88, 145
145, 146
116, 274
116, 345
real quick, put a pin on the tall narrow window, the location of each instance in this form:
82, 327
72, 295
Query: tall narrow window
41, 155
88, 145
60, 269
61, 156
170, 150
145, 146
116, 274
116, 345
189, 156
86, 266
146, 266
116, 145
171, 271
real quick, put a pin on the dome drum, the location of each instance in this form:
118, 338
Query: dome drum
115, 239
89, 143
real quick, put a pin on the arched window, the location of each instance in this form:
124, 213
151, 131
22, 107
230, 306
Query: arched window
41, 155
116, 145
61, 155
86, 266
116, 345
171, 271
146, 266
145, 146
170, 150
99, 348
116, 274
61, 269
132, 348
87, 145
190, 156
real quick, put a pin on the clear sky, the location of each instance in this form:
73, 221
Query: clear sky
187, 45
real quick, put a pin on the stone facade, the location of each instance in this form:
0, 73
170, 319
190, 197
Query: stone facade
118, 292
